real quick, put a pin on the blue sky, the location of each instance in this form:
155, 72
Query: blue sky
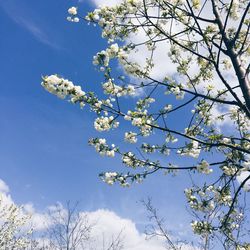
44, 154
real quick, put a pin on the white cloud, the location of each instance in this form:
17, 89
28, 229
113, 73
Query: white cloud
3, 187
105, 2
242, 177
6, 198
245, 174
110, 224
107, 225
39, 221
162, 63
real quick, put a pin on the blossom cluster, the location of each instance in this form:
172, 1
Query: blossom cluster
73, 12
111, 177
203, 167
202, 204
177, 92
103, 57
110, 88
13, 221
62, 88
204, 199
140, 120
202, 227
147, 148
230, 170
130, 160
105, 123
102, 147
131, 137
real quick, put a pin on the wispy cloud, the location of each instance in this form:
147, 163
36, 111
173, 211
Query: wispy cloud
27, 23
40, 35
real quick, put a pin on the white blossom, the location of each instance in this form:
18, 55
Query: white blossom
102, 147
203, 167
130, 137
105, 123
72, 11
109, 177
201, 227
